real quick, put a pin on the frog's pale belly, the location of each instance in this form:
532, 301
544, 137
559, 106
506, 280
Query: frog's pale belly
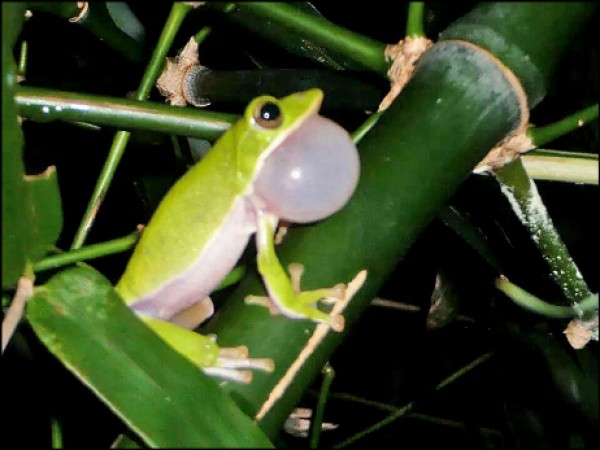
216, 260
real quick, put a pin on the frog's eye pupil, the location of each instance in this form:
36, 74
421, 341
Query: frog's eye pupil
269, 112
269, 115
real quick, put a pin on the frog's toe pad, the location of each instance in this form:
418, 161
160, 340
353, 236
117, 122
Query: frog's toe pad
239, 376
337, 322
336, 294
296, 270
233, 364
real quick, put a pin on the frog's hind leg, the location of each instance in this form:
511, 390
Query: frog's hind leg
203, 352
193, 316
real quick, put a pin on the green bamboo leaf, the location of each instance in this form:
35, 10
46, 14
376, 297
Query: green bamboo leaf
165, 399
14, 234
31, 206
47, 210
15, 216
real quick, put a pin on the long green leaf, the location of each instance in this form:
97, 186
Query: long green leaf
31, 207
165, 399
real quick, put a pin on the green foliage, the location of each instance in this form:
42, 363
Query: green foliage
188, 408
31, 208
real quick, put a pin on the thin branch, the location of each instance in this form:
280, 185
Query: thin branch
414, 24
47, 104
409, 406
87, 253
317, 422
57, 439
542, 135
571, 168
178, 12
13, 315
527, 204
532, 303
361, 49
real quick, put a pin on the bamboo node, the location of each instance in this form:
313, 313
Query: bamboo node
505, 152
171, 81
405, 55
580, 332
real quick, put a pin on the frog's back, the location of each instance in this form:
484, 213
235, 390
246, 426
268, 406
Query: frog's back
188, 224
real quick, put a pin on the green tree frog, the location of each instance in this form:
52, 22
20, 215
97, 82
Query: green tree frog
281, 160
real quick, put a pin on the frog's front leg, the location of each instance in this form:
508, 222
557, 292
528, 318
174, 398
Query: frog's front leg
285, 295
227, 362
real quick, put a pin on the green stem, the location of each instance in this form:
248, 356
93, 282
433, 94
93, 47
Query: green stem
176, 16
409, 406
364, 128
178, 13
570, 168
414, 24
412, 415
562, 153
202, 34
87, 253
317, 421
57, 440
529, 301
46, 104
22, 66
365, 51
547, 133
523, 195
106, 175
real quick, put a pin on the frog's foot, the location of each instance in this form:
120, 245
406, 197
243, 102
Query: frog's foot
326, 295
302, 310
204, 353
305, 302
306, 299
232, 361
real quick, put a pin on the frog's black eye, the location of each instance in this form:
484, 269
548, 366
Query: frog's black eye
268, 115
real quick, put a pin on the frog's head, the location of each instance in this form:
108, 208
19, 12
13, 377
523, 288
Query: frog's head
308, 166
271, 120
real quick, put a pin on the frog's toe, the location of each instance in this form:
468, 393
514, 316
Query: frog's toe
337, 322
239, 376
335, 294
239, 352
263, 301
237, 358
296, 270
